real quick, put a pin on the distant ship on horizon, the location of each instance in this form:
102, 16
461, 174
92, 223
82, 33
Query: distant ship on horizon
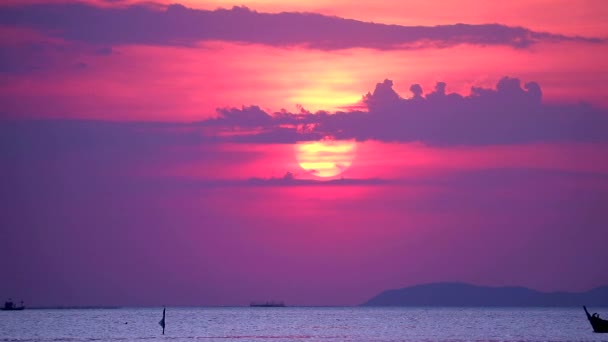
10, 306
267, 304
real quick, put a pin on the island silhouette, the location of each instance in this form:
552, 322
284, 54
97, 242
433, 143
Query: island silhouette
462, 294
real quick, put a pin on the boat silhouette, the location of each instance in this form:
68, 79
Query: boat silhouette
10, 306
267, 304
162, 321
599, 325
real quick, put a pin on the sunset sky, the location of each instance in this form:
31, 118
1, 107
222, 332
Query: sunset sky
316, 152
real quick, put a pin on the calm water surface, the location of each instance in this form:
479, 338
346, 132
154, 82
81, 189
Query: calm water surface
301, 324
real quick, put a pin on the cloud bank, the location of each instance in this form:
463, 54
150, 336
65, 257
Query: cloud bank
508, 114
179, 25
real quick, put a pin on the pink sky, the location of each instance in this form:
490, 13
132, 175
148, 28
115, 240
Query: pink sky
185, 84
158, 139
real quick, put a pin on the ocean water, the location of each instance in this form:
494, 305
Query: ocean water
301, 324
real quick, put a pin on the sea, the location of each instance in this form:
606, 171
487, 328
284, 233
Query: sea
301, 324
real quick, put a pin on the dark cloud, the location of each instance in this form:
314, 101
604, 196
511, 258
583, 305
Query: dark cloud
178, 25
288, 180
508, 114
107, 145
247, 116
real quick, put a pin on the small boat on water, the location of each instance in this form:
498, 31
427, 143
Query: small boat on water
267, 305
599, 325
10, 306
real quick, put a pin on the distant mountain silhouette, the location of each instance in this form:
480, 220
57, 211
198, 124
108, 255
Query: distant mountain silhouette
460, 294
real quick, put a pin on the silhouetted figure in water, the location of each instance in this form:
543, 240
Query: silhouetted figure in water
162, 321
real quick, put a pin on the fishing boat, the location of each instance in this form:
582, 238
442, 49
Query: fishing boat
10, 306
599, 325
268, 305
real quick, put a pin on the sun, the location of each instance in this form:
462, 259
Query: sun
325, 158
